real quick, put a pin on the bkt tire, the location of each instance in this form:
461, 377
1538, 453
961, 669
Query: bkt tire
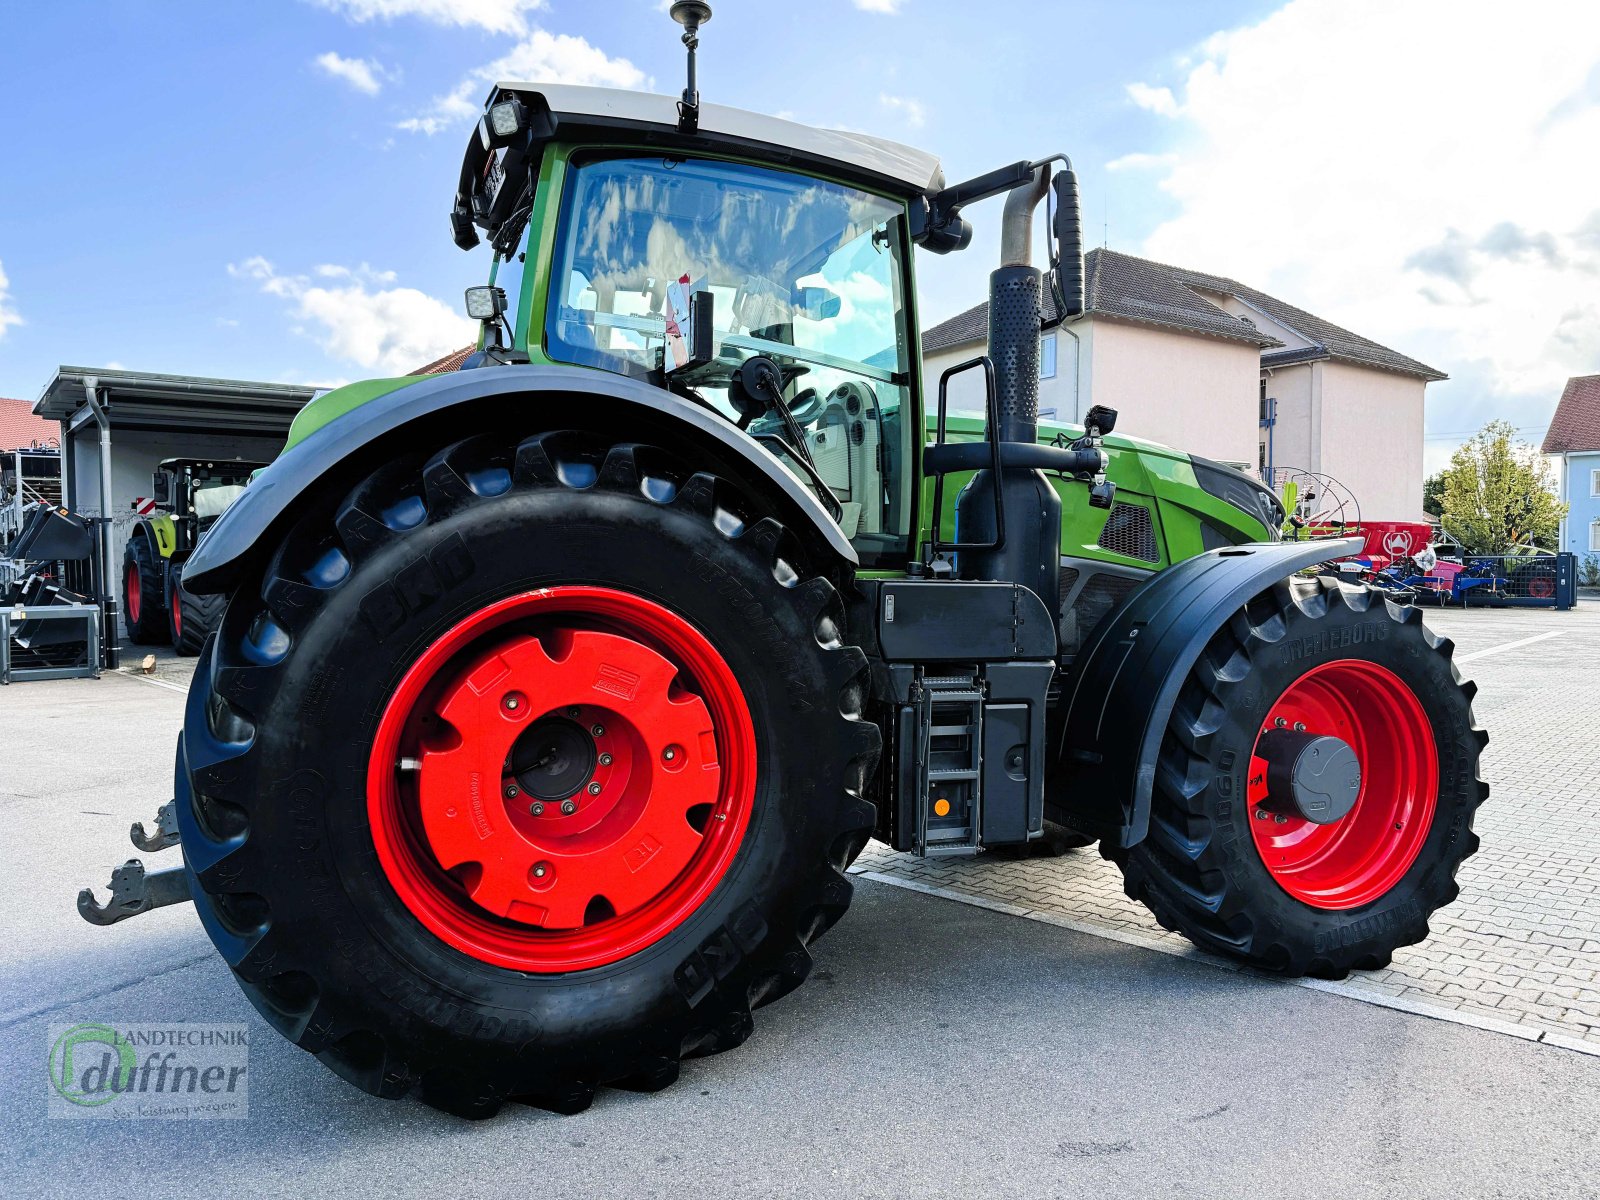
526, 769
1245, 861
144, 608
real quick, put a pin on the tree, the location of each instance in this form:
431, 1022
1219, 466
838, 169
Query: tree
1499, 494
1433, 494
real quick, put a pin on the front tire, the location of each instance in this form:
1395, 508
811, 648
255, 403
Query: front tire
1225, 864
343, 752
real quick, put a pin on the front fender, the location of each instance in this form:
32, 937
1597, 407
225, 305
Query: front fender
1126, 680
543, 398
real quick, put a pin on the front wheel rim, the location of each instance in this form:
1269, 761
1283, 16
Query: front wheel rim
1361, 857
562, 779
133, 591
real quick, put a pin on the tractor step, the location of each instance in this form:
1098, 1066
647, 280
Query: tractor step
949, 766
134, 892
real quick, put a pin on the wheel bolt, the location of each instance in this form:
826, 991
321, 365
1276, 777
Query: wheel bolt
511, 703
1280, 819
540, 870
1262, 814
669, 754
512, 791
568, 807
605, 760
536, 808
1280, 722
572, 712
1299, 726
594, 789
598, 731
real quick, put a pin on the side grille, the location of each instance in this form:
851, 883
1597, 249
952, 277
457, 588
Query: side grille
1130, 531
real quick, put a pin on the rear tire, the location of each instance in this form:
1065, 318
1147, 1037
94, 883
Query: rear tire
1228, 875
191, 618
144, 606
276, 793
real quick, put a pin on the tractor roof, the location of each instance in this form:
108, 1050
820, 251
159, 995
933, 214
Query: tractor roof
905, 167
561, 112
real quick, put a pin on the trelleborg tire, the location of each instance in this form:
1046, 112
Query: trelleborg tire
1226, 865
191, 618
345, 746
144, 608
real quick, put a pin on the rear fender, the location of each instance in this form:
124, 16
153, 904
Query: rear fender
435, 409
1126, 680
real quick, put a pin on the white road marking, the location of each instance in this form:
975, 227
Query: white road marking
160, 683
1182, 949
1527, 641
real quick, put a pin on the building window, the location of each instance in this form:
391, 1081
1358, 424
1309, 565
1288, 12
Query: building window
1594, 483
1047, 359
1594, 537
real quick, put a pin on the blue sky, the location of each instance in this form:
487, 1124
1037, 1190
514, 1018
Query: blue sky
260, 190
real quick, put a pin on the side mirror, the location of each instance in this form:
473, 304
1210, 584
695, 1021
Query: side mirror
1066, 248
816, 303
691, 340
161, 489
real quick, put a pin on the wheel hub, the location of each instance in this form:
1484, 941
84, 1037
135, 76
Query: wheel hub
562, 778
1311, 776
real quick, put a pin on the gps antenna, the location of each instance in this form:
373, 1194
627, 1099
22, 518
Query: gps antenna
691, 14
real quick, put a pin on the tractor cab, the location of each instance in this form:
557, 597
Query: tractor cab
196, 491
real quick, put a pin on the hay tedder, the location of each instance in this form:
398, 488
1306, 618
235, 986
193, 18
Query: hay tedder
553, 696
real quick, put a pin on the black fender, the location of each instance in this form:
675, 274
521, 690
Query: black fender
1126, 680
466, 402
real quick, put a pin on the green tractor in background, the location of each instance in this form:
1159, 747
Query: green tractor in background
189, 494
554, 696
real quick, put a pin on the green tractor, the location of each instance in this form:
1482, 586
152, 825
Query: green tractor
190, 494
554, 696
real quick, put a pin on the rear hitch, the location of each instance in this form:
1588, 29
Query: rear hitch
166, 833
134, 892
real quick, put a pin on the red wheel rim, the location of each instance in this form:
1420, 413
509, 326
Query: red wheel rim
133, 594
1542, 587
1357, 859
658, 817
177, 612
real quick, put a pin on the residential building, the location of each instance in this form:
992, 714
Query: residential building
1215, 367
21, 430
1574, 438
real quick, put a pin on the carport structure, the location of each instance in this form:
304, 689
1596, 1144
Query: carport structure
118, 425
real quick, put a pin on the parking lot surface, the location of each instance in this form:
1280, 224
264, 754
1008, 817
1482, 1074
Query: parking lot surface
940, 1049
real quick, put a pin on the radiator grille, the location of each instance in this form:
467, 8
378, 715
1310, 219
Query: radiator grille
1130, 531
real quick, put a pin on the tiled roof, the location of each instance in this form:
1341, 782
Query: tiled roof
1576, 425
450, 362
1136, 289
19, 428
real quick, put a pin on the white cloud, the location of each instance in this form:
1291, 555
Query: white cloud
497, 16
909, 110
363, 74
1158, 100
1409, 177
879, 6
8, 312
356, 314
1141, 162
540, 58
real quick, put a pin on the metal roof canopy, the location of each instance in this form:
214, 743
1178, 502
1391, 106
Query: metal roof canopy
150, 402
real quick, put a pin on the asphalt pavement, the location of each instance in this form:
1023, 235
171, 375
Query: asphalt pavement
938, 1050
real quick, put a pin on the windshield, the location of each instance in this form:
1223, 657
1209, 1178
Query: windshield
806, 272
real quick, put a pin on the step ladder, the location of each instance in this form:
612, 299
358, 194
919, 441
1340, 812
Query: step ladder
949, 762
